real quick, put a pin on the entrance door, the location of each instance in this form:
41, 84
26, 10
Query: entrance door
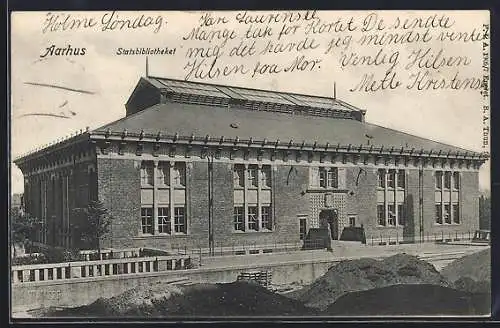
329, 219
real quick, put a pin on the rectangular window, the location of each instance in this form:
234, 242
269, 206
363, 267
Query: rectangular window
239, 218
179, 220
391, 215
147, 174
439, 180
381, 178
401, 214
322, 178
267, 223
456, 181
447, 214
179, 174
447, 180
239, 176
252, 218
352, 221
163, 174
390, 179
252, 176
381, 214
456, 214
147, 220
164, 220
439, 214
265, 176
401, 179
328, 177
332, 178
302, 228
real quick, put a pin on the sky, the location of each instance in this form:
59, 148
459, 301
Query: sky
107, 79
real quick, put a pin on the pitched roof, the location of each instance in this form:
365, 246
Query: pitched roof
201, 120
222, 95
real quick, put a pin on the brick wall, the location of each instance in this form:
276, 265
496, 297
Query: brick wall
119, 190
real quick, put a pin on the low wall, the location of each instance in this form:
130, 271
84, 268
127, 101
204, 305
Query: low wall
76, 292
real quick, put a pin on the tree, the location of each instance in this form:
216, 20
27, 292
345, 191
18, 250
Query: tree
91, 223
484, 212
23, 227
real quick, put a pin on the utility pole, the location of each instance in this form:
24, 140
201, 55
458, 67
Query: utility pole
211, 247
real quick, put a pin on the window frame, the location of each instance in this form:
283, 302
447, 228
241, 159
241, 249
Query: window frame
237, 217
144, 224
177, 216
381, 215
255, 218
266, 217
162, 218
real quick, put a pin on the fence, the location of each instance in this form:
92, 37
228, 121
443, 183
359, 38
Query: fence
100, 268
263, 278
436, 237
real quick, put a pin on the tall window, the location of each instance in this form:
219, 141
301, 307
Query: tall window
392, 215
253, 184
381, 214
390, 179
439, 180
239, 218
239, 176
447, 180
447, 213
163, 175
381, 178
439, 214
168, 198
328, 177
179, 220
456, 181
147, 174
401, 214
391, 195
447, 197
179, 174
456, 214
267, 223
164, 220
147, 220
252, 218
252, 176
401, 179
265, 176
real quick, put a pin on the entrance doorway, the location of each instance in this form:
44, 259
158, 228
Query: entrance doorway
329, 219
302, 228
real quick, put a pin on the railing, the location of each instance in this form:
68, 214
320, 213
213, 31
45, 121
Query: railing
437, 237
100, 268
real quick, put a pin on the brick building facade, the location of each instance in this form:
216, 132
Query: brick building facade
196, 165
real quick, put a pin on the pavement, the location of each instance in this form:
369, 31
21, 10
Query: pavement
341, 251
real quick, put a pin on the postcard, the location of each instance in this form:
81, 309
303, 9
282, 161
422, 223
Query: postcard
250, 164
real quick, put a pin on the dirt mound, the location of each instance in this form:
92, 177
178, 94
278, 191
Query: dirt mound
207, 300
139, 299
476, 266
363, 274
420, 299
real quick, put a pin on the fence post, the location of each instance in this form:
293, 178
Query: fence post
372, 240
200, 255
442, 236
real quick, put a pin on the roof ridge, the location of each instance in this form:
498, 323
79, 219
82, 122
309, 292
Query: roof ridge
255, 89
